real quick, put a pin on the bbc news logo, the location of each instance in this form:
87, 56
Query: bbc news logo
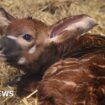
7, 93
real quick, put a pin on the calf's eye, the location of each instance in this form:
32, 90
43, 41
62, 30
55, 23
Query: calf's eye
27, 37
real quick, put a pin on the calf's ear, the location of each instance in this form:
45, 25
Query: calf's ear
5, 20
71, 27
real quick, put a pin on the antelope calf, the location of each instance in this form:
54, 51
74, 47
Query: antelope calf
34, 46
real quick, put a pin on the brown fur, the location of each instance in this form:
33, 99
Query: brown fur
74, 82
86, 46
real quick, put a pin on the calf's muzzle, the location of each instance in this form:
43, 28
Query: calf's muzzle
10, 50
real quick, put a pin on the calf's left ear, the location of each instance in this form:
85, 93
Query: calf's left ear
71, 27
5, 20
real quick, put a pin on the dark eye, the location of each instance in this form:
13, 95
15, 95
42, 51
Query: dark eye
27, 37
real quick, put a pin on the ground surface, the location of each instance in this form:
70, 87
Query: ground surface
48, 11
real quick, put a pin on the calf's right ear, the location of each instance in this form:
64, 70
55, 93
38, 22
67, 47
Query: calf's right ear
5, 20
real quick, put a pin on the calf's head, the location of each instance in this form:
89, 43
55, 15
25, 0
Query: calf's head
24, 40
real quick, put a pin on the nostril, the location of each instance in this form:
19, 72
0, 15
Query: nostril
1, 47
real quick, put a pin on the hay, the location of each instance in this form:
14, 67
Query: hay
48, 11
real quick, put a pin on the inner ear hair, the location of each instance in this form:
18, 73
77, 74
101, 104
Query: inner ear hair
71, 27
5, 20
6, 15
